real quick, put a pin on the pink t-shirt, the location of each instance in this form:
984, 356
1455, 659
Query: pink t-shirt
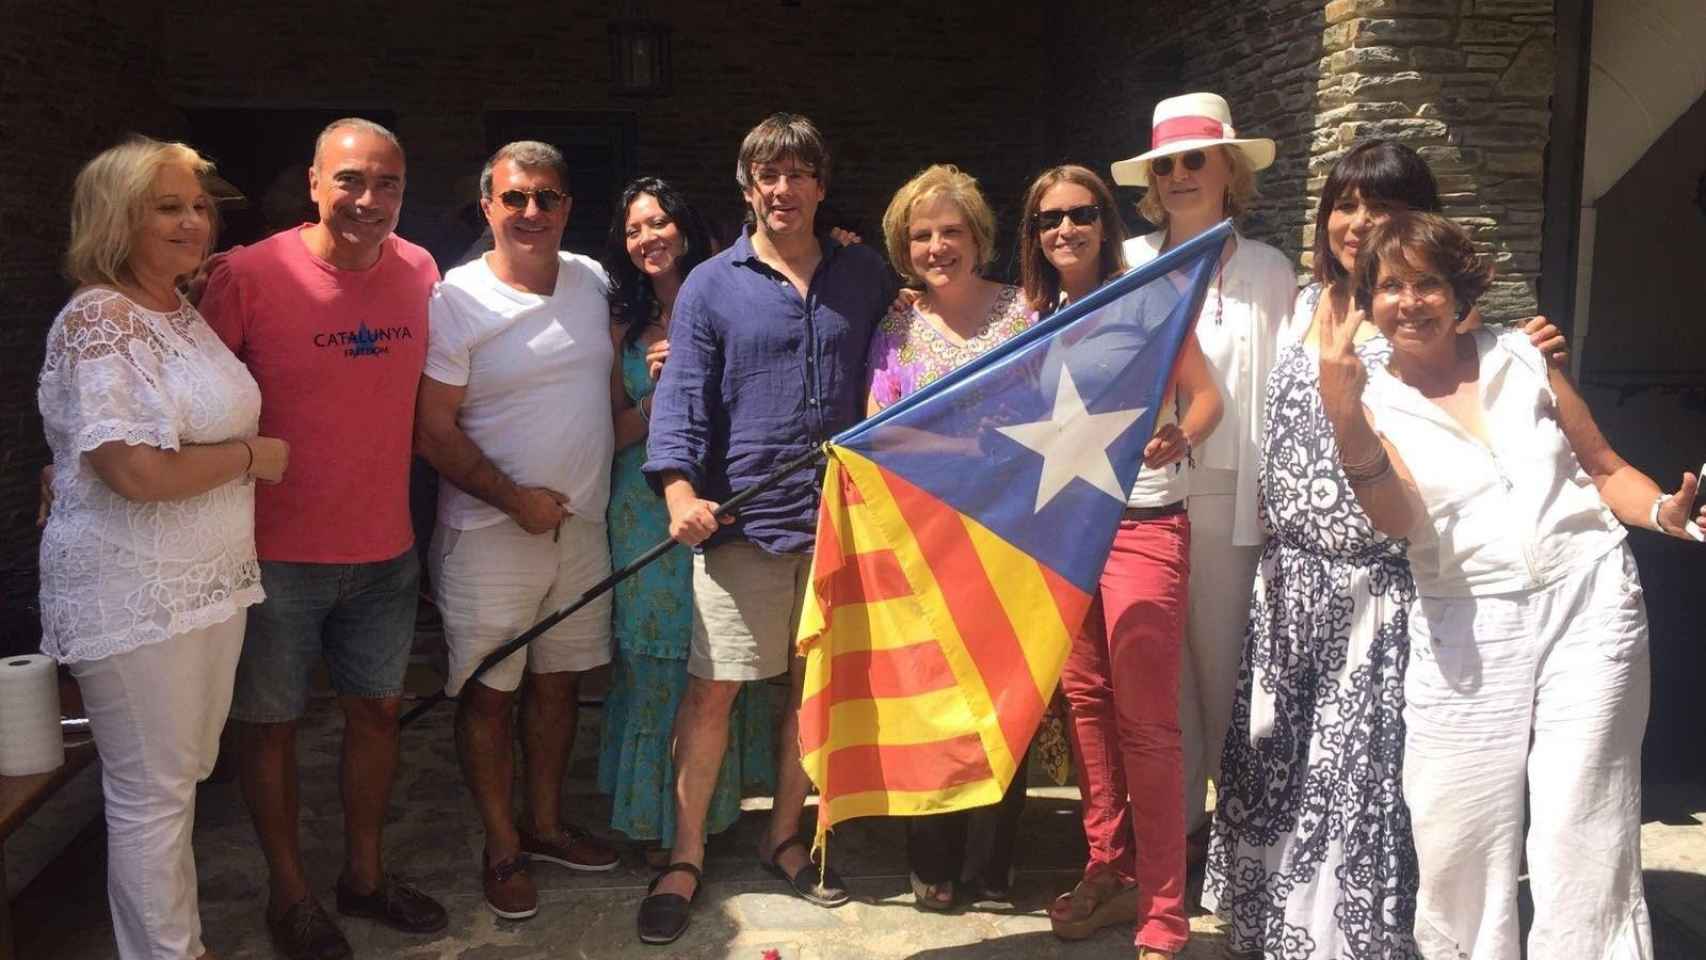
338, 356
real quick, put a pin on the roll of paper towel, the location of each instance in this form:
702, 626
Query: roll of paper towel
30, 741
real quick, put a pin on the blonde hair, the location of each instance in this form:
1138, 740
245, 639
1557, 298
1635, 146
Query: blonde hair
1240, 189
108, 202
945, 181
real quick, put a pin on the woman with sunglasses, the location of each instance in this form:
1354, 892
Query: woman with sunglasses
1199, 172
1121, 677
655, 239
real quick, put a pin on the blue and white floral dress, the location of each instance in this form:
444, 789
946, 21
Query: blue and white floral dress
1311, 856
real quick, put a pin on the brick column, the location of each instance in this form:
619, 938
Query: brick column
1465, 82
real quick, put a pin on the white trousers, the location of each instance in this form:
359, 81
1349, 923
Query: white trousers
1539, 697
156, 713
1221, 577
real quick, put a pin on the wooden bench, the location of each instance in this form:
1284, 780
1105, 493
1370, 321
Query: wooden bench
21, 797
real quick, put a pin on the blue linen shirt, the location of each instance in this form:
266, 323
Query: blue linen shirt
757, 375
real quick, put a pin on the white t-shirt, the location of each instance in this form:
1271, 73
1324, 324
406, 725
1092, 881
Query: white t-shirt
537, 371
1245, 317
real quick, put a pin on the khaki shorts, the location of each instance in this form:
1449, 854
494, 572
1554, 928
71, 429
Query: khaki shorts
746, 610
492, 583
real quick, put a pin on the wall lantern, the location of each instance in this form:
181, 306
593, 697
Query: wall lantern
639, 56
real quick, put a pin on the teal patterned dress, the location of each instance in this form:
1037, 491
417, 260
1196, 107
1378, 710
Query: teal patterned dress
653, 618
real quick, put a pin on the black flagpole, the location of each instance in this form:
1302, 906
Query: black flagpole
617, 576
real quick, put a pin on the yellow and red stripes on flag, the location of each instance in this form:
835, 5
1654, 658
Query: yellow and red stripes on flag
932, 646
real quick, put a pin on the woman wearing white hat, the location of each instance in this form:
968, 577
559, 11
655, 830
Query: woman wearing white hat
1199, 172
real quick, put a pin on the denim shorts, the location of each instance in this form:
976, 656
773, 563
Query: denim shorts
359, 616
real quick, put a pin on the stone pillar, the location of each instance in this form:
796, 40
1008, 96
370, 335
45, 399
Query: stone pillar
1466, 83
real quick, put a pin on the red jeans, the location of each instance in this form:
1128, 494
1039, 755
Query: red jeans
1122, 682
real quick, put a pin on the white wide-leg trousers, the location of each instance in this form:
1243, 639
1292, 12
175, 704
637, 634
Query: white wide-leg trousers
156, 713
1219, 613
1539, 697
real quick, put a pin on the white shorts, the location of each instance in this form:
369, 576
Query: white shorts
494, 582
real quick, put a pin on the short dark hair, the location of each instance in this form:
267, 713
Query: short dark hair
782, 135
1414, 238
529, 155
1037, 276
1376, 170
631, 298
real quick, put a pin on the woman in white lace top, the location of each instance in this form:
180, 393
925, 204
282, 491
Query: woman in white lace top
148, 555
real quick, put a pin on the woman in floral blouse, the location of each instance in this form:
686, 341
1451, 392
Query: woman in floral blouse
940, 235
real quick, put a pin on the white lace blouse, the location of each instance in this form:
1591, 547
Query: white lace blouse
117, 574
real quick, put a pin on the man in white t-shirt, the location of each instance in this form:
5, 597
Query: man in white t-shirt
514, 412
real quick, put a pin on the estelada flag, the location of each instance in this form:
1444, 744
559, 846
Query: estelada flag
960, 539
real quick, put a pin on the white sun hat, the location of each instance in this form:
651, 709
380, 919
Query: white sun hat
1193, 121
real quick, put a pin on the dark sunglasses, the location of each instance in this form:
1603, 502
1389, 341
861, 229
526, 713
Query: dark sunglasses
1192, 159
1083, 216
546, 200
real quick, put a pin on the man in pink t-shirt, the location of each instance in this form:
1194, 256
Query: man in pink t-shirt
331, 319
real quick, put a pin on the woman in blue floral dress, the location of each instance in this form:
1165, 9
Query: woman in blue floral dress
1311, 856
655, 239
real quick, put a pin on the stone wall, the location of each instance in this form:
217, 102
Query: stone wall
77, 76
1465, 82
1263, 56
947, 83
895, 88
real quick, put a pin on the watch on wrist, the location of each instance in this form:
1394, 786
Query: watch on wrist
1654, 515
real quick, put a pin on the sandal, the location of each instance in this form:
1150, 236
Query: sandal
932, 896
830, 892
1093, 904
663, 916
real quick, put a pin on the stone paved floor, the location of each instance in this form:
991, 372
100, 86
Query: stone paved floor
433, 840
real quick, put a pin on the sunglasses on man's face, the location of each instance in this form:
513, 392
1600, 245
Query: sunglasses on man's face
546, 200
1193, 161
1083, 216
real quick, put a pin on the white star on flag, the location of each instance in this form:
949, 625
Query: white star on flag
1074, 443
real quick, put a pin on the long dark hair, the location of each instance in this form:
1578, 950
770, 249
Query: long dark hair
1376, 170
1039, 279
631, 298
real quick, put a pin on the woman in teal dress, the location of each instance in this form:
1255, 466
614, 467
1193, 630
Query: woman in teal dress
655, 239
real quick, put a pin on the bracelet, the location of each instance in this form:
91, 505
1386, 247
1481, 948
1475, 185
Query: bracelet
251, 464
1653, 517
641, 406
1372, 463
1372, 479
1370, 472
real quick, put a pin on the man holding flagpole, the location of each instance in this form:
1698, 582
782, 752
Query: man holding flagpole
766, 362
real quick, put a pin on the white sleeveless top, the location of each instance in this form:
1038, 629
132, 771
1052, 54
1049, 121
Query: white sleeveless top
117, 574
1169, 484
1512, 516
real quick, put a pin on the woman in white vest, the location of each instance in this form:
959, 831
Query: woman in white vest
1200, 172
1528, 677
